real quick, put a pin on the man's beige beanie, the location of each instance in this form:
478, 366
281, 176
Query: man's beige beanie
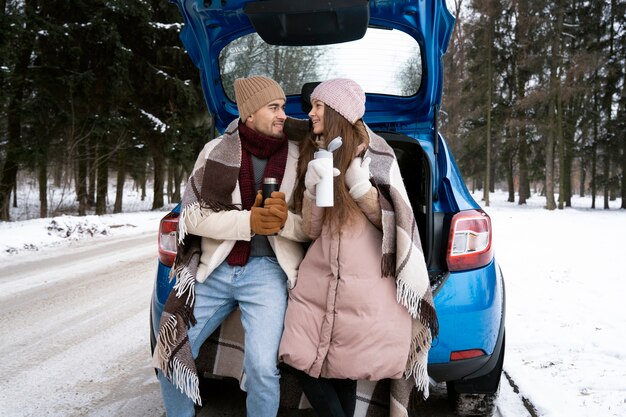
252, 93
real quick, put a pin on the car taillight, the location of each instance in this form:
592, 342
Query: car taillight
167, 239
469, 244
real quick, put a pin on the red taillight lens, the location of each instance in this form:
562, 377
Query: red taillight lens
466, 354
469, 244
167, 239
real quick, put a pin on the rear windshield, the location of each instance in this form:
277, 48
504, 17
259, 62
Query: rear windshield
382, 62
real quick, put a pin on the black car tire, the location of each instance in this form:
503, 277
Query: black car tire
486, 384
477, 396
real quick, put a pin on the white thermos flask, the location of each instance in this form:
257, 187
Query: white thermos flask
324, 196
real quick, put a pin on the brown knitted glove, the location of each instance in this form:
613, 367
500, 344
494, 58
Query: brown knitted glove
262, 221
278, 206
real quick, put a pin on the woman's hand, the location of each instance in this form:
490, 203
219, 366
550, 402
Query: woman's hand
358, 177
314, 174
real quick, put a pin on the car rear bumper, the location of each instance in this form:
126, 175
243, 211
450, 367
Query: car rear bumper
471, 310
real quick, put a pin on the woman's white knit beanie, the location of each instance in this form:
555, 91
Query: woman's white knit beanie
344, 96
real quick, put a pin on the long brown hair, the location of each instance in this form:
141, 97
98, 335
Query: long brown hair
352, 136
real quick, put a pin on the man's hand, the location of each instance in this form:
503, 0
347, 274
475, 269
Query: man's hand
262, 221
278, 206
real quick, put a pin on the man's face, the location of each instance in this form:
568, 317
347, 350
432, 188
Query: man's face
317, 116
269, 119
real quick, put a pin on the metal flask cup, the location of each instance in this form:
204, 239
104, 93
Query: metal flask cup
269, 185
324, 189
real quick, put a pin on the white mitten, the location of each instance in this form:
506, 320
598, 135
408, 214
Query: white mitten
314, 173
358, 177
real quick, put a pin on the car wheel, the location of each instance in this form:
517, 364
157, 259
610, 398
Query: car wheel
466, 405
477, 396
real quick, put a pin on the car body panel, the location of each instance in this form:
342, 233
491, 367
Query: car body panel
467, 306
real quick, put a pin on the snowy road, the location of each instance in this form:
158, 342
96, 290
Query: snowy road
74, 322
75, 332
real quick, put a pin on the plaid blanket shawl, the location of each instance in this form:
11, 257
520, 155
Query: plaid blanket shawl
223, 353
210, 186
403, 258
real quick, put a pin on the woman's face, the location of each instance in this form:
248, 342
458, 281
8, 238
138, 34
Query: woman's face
317, 116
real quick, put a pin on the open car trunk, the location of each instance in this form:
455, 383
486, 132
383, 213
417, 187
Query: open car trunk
416, 171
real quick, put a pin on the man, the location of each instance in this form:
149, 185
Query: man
234, 251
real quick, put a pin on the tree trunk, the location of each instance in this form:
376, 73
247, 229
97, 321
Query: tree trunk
606, 170
8, 175
621, 139
623, 170
489, 44
178, 178
567, 174
102, 170
583, 176
142, 182
81, 177
170, 180
522, 162
43, 190
555, 109
549, 188
561, 144
119, 184
92, 168
158, 157
42, 158
521, 53
509, 180
594, 174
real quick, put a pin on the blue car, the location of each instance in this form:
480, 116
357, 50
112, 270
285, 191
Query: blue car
393, 49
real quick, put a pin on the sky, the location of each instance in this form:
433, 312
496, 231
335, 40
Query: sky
564, 282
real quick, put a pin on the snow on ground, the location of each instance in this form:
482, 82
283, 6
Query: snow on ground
28, 234
28, 237
565, 285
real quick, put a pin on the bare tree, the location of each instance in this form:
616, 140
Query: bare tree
250, 55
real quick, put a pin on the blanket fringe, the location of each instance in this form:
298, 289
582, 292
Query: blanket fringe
417, 363
186, 380
388, 265
182, 225
219, 206
428, 316
166, 339
407, 297
185, 285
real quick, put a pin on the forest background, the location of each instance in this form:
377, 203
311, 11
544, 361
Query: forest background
534, 100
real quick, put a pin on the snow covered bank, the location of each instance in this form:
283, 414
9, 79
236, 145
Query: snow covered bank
565, 286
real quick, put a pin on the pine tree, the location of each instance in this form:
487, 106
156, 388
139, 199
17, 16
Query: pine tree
21, 42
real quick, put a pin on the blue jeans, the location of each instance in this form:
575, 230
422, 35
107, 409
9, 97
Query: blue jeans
260, 290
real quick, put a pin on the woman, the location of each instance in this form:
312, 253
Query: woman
347, 317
